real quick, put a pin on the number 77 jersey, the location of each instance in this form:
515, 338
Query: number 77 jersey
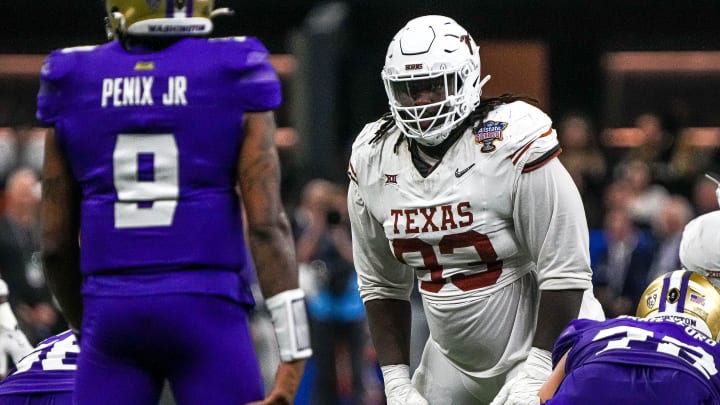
50, 367
481, 219
644, 344
153, 140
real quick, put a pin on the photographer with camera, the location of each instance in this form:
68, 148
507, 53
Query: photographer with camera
337, 314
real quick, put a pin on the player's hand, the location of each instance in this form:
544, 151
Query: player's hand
404, 394
287, 381
14, 343
398, 388
523, 388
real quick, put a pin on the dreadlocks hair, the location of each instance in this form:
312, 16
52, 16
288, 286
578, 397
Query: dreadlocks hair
476, 117
388, 123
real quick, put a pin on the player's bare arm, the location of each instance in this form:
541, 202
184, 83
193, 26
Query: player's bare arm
557, 309
269, 232
60, 214
389, 322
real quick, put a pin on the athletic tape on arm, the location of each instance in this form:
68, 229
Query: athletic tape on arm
289, 318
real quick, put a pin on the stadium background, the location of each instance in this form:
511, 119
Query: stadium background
609, 60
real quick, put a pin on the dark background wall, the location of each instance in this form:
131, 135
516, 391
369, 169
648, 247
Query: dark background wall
577, 31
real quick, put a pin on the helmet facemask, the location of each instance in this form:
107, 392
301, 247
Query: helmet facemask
432, 78
448, 101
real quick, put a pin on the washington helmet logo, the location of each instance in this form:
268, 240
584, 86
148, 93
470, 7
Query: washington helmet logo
488, 133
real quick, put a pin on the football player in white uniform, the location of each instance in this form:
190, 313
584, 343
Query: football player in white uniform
468, 197
700, 243
13, 342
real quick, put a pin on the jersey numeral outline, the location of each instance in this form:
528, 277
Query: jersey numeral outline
146, 179
447, 246
696, 356
56, 355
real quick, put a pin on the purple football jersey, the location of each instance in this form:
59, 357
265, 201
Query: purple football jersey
50, 367
153, 139
682, 351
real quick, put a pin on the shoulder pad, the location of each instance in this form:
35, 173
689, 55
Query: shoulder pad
58, 64
240, 52
366, 148
246, 62
524, 123
56, 68
527, 136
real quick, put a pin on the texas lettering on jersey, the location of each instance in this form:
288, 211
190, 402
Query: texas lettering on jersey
432, 219
457, 220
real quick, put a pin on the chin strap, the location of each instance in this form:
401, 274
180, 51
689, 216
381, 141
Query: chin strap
483, 81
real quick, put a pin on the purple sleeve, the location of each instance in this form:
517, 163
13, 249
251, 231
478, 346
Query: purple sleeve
569, 336
49, 97
255, 81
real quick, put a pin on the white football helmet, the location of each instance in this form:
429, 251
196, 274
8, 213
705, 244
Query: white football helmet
435, 55
700, 246
715, 178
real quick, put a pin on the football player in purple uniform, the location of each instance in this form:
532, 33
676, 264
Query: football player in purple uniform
45, 376
143, 242
466, 197
668, 354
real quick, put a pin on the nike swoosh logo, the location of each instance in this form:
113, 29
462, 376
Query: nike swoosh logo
459, 173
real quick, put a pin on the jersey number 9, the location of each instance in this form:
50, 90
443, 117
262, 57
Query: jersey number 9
145, 175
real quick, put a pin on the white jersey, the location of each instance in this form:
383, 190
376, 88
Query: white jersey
484, 209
